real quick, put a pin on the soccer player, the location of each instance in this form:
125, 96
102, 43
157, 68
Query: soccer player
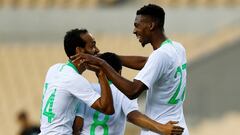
163, 74
65, 87
91, 122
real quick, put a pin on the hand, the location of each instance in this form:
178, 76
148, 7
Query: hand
79, 63
171, 129
93, 68
98, 54
90, 59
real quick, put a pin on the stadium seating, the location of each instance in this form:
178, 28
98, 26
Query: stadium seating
96, 3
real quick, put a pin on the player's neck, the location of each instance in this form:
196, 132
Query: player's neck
81, 69
157, 39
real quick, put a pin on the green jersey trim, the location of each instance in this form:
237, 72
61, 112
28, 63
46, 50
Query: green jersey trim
69, 63
167, 41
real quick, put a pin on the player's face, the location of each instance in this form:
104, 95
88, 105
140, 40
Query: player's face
142, 29
90, 46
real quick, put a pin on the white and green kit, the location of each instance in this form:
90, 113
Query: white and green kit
165, 76
96, 123
64, 88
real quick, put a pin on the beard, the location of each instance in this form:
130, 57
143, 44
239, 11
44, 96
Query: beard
144, 42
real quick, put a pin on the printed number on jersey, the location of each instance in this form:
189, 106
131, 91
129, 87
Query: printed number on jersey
181, 88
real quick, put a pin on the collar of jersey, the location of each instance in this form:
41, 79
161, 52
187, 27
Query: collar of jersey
69, 63
167, 41
109, 82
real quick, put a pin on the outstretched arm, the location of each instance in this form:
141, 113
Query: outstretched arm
133, 62
132, 89
143, 121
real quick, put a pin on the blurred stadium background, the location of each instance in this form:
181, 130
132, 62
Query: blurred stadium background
31, 40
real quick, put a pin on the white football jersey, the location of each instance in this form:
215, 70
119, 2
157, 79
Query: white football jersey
165, 76
96, 123
63, 89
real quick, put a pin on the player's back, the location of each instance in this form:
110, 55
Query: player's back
98, 123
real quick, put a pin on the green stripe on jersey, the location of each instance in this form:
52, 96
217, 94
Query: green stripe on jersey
69, 63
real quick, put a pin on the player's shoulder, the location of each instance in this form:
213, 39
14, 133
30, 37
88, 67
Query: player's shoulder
180, 49
114, 89
75, 82
53, 69
79, 78
70, 73
179, 45
116, 93
122, 100
161, 53
71, 78
55, 66
170, 48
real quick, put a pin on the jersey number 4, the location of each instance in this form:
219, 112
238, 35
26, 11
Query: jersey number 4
175, 98
48, 111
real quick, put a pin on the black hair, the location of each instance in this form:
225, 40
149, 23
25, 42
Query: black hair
113, 60
72, 40
156, 12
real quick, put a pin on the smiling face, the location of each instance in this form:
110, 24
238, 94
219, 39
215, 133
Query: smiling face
142, 29
90, 46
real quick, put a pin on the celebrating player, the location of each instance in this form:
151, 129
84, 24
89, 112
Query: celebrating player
65, 86
91, 122
162, 74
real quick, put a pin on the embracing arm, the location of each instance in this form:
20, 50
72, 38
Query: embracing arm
133, 62
132, 89
143, 121
104, 104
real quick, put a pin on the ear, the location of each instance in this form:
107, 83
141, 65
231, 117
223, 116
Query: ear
79, 49
152, 26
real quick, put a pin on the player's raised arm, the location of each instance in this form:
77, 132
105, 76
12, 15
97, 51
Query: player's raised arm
145, 122
133, 62
105, 102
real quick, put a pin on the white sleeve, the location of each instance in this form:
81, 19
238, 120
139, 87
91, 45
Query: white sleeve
81, 108
129, 105
82, 89
153, 69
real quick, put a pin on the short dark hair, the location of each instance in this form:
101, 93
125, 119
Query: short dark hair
72, 40
155, 11
113, 60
